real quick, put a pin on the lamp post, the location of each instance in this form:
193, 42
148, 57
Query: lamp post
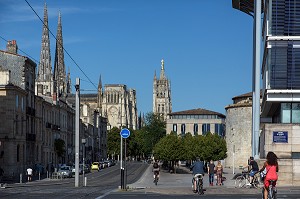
255, 7
83, 141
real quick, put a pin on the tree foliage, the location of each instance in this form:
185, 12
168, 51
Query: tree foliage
207, 147
59, 146
169, 148
113, 141
153, 131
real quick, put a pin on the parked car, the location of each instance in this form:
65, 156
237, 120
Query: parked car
108, 163
95, 166
87, 168
73, 170
65, 171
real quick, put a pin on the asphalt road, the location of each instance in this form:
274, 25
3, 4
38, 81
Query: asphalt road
99, 184
128, 195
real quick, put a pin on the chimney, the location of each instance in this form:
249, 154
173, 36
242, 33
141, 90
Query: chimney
12, 47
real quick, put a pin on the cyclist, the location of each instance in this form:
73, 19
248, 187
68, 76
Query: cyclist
197, 168
155, 170
272, 168
253, 169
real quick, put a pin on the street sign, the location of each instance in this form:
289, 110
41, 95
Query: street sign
125, 133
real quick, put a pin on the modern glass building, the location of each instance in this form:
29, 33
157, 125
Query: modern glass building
281, 87
281, 61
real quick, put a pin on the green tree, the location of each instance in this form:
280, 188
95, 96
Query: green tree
188, 143
169, 148
135, 143
153, 131
215, 147
113, 141
59, 147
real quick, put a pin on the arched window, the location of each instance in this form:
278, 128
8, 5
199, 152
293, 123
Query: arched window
195, 129
182, 130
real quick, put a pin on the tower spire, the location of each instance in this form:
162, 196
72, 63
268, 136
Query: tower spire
59, 64
44, 76
162, 70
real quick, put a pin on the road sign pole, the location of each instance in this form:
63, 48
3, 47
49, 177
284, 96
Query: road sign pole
125, 133
121, 163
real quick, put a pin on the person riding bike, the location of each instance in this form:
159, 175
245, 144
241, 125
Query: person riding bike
253, 169
155, 170
271, 166
198, 168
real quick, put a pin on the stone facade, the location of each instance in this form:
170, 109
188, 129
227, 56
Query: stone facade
287, 152
196, 122
162, 103
239, 131
115, 103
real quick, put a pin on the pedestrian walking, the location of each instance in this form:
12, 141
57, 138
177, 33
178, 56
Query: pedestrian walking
211, 172
219, 171
29, 174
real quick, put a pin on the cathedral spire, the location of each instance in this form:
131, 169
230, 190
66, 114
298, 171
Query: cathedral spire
59, 64
162, 70
44, 76
100, 96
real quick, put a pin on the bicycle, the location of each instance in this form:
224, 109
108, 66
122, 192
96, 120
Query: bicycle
156, 177
244, 180
272, 192
199, 183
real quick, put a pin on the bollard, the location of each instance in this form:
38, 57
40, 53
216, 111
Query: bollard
21, 176
85, 180
47, 174
39, 175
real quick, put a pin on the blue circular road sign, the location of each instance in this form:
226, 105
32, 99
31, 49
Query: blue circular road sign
125, 133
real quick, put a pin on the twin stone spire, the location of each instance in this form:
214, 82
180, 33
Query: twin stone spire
54, 82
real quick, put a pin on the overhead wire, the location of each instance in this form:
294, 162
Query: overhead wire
21, 50
61, 45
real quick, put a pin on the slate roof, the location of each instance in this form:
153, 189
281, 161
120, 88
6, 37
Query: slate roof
198, 111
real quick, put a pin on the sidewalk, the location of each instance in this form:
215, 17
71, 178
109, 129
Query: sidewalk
181, 183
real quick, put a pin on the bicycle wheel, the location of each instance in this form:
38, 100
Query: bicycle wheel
256, 182
200, 187
240, 181
271, 192
156, 180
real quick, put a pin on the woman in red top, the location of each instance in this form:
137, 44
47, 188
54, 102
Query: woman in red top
272, 168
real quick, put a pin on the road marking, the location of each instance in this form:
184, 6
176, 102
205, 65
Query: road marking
107, 193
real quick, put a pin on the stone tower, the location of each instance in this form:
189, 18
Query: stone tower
44, 80
100, 96
162, 94
60, 80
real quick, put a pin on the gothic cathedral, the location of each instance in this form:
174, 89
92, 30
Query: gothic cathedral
162, 94
56, 84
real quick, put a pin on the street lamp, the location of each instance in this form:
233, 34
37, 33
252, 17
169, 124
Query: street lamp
255, 7
83, 141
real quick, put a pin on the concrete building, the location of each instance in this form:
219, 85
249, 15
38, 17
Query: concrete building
162, 103
281, 87
196, 121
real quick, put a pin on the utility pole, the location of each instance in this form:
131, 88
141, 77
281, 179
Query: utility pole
77, 106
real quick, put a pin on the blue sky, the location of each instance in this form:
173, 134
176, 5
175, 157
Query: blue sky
206, 45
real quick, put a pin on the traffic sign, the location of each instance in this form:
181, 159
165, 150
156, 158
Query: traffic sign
125, 133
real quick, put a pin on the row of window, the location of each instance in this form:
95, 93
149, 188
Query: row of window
219, 129
196, 117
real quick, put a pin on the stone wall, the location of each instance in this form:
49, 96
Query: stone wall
238, 134
289, 166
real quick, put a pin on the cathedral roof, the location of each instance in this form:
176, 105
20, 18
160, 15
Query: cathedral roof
198, 111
